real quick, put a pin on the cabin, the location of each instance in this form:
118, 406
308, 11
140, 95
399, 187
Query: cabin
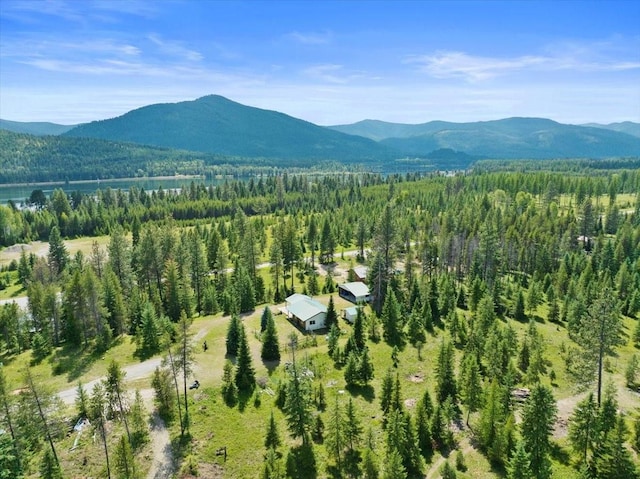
356, 292
305, 312
350, 314
359, 273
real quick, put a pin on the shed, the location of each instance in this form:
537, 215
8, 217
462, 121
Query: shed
305, 312
356, 292
360, 273
350, 314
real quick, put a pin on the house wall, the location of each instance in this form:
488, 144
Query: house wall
317, 320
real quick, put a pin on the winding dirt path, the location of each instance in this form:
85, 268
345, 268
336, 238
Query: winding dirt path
163, 465
434, 470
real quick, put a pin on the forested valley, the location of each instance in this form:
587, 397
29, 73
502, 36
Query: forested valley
502, 338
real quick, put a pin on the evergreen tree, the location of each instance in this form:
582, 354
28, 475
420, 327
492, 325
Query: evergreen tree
49, 468
614, 461
519, 466
446, 386
327, 242
351, 369
394, 469
272, 437
270, 343
423, 425
599, 333
537, 426
245, 375
332, 341
336, 440
139, 423
233, 335
124, 462
391, 319
229, 388
273, 467
448, 472
297, 407
353, 427
471, 385
365, 367
332, 316
519, 313
583, 427
358, 333
401, 437
58, 256
386, 393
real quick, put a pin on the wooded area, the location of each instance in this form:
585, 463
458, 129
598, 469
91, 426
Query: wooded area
498, 279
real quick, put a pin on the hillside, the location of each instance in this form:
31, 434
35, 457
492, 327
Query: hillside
214, 124
535, 138
34, 128
627, 127
27, 158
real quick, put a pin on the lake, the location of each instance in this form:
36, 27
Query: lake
18, 193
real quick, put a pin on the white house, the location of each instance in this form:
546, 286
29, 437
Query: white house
305, 312
356, 292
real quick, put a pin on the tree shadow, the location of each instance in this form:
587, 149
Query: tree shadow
243, 399
301, 462
271, 366
68, 360
560, 454
365, 392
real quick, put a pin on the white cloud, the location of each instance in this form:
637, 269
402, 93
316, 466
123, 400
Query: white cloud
453, 64
175, 49
311, 38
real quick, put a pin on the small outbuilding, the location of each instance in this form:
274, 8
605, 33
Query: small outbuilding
360, 273
350, 314
356, 292
305, 312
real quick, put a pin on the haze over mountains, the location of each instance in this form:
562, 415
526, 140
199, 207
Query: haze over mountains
216, 125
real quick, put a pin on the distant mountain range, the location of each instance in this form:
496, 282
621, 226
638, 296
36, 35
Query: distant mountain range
511, 138
215, 125
35, 128
628, 127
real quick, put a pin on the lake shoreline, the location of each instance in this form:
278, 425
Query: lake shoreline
108, 180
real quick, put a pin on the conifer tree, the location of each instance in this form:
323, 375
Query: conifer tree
335, 439
229, 388
270, 343
332, 316
297, 407
583, 427
471, 385
245, 375
537, 426
365, 367
519, 466
124, 462
391, 319
446, 386
233, 335
272, 437
353, 427
394, 469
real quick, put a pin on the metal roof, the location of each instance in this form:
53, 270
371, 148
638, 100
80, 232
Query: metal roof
305, 308
356, 288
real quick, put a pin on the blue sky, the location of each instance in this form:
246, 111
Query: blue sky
329, 62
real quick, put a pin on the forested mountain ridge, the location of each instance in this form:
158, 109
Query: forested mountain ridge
29, 158
34, 128
510, 138
628, 127
215, 124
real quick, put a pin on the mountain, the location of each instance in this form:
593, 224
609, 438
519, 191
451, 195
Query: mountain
628, 127
215, 124
30, 158
34, 128
534, 138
